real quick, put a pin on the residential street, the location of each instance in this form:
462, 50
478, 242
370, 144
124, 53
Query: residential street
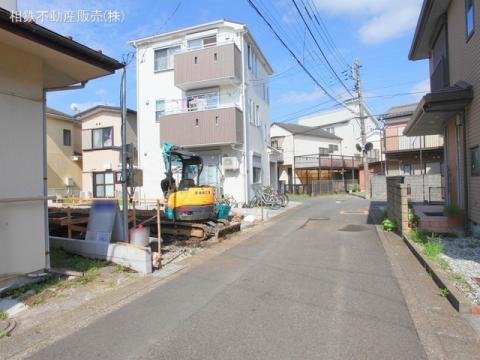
315, 284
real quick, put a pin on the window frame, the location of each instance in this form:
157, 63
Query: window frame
104, 184
256, 173
103, 146
475, 170
69, 137
468, 35
157, 115
170, 56
407, 166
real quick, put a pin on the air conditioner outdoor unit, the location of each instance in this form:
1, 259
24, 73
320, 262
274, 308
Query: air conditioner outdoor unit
68, 181
230, 163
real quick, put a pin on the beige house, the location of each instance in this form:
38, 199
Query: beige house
64, 154
33, 61
447, 34
101, 145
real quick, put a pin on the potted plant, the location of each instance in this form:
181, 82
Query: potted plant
454, 215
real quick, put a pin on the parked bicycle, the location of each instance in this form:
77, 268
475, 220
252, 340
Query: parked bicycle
268, 197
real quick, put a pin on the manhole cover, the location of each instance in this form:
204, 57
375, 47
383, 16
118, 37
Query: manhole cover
312, 219
353, 228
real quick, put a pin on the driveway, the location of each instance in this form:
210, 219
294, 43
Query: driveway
315, 285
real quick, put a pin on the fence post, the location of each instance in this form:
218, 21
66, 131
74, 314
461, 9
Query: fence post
159, 236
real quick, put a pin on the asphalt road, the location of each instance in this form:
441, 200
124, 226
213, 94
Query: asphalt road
316, 285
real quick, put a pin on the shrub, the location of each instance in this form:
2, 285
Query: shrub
453, 210
389, 225
418, 236
413, 219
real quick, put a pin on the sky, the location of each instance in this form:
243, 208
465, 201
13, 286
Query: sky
378, 32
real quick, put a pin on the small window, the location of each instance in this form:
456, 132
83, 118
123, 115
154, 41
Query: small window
469, 17
475, 160
67, 137
257, 175
323, 151
407, 169
257, 115
104, 184
249, 56
164, 58
159, 109
102, 138
332, 148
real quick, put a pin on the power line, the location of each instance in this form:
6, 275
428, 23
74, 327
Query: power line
295, 57
321, 50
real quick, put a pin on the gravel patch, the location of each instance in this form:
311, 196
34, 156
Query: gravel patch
463, 257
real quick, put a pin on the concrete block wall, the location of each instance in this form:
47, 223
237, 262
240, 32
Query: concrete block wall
397, 202
379, 187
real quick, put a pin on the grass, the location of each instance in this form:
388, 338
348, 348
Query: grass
38, 293
444, 292
299, 196
418, 236
459, 278
3, 315
118, 268
433, 248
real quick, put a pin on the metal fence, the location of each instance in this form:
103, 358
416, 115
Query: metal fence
321, 187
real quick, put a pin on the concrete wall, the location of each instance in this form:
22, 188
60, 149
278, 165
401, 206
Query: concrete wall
60, 157
397, 202
22, 224
379, 187
464, 64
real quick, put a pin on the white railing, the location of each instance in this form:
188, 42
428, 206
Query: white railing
197, 102
222, 39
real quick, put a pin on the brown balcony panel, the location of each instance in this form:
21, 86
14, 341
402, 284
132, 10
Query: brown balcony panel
208, 67
209, 127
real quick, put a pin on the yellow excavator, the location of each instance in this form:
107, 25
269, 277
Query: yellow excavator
188, 201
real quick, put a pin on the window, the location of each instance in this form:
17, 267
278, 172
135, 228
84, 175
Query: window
407, 169
205, 101
249, 56
331, 130
332, 148
469, 18
257, 175
475, 160
164, 58
251, 111
67, 137
159, 109
257, 115
323, 151
104, 184
102, 138
202, 42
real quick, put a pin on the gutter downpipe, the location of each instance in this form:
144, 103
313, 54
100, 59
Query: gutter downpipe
245, 125
45, 164
465, 169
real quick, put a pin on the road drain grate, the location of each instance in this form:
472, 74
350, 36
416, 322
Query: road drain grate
353, 228
312, 219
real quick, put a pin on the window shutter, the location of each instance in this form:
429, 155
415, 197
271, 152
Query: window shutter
86, 139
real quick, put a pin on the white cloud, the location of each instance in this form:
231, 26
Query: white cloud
420, 89
382, 20
296, 97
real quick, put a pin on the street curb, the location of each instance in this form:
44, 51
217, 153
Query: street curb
454, 296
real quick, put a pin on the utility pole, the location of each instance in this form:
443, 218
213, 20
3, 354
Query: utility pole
361, 109
123, 105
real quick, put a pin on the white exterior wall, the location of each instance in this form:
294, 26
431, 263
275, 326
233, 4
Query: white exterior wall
22, 224
152, 86
346, 127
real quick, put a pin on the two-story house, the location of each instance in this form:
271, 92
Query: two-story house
404, 155
295, 141
447, 35
344, 123
34, 60
205, 88
64, 154
101, 145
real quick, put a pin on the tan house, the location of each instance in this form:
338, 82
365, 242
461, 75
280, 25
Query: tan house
64, 154
33, 61
446, 34
101, 145
404, 155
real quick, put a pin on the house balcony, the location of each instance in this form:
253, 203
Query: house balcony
220, 125
400, 143
208, 66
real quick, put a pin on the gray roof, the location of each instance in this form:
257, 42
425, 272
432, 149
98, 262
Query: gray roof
99, 108
62, 115
399, 113
296, 129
